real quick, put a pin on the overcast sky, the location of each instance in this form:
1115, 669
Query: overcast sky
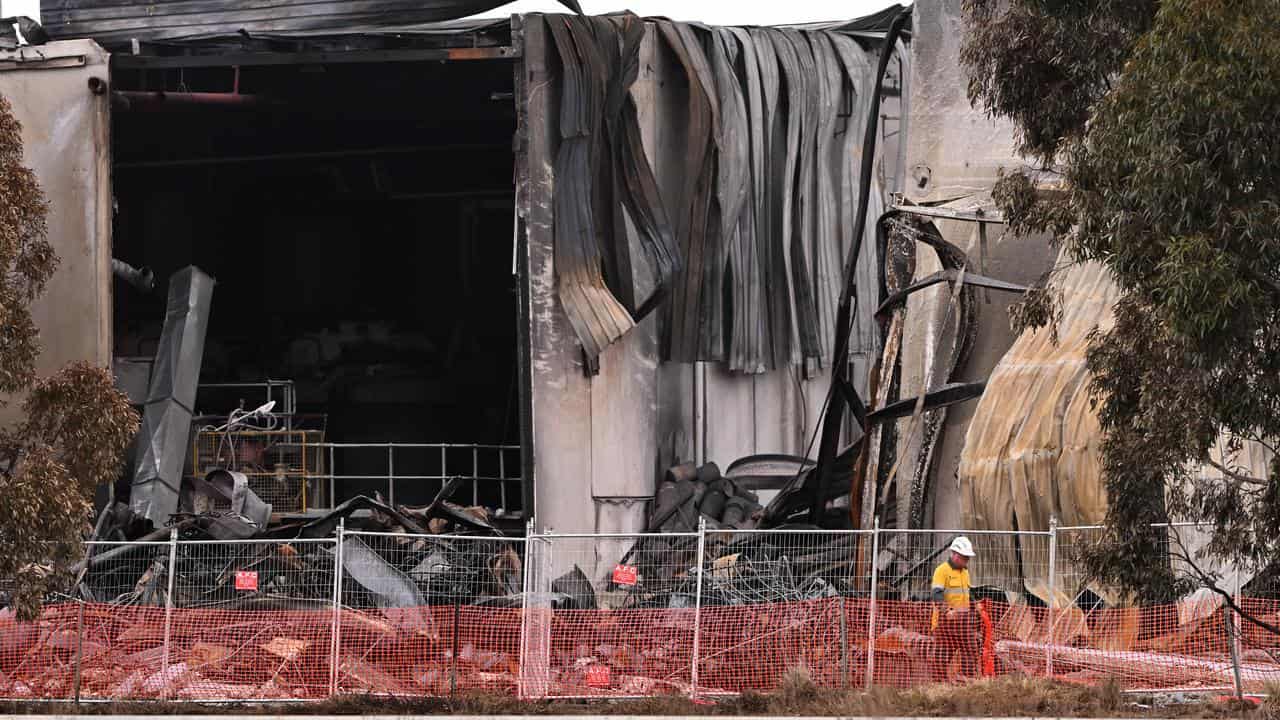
716, 12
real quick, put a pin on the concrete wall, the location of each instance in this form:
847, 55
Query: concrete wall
65, 142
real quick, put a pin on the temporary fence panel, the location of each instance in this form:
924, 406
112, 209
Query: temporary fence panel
780, 602
621, 610
1183, 643
535, 619
917, 640
250, 620
429, 615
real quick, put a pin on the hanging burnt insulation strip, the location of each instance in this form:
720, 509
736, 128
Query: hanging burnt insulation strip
769, 242
833, 417
597, 317
858, 77
607, 188
804, 206
636, 185
687, 303
733, 150
749, 338
899, 266
791, 107
827, 247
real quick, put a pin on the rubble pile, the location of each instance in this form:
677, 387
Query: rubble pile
688, 493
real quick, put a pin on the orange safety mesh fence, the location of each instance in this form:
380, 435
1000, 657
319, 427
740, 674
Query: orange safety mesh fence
430, 651
37, 659
752, 647
621, 653
582, 616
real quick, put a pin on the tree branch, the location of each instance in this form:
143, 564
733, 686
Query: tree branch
1234, 475
1208, 581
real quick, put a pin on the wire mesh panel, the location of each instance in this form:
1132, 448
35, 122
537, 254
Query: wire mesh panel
250, 621
1146, 641
428, 615
615, 615
104, 644
126, 573
284, 467
920, 640
780, 602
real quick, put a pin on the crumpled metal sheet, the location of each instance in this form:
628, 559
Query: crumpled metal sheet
603, 178
598, 319
390, 587
166, 417
634, 183
751, 246
688, 307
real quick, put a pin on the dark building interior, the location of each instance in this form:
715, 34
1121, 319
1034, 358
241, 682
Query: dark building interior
358, 220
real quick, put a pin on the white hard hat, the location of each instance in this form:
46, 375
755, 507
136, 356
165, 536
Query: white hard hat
963, 546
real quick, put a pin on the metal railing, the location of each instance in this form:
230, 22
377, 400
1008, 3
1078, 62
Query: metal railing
282, 392
493, 472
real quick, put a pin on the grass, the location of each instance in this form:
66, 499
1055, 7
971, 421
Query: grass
796, 695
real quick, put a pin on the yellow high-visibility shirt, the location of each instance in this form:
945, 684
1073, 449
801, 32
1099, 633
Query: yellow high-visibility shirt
954, 584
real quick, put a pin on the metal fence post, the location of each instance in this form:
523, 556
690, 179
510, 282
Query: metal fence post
844, 644
697, 603
1053, 596
79, 647
871, 615
391, 475
168, 608
333, 483
336, 630
1233, 627
535, 626
525, 585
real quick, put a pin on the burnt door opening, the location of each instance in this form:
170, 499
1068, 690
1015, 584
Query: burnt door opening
358, 220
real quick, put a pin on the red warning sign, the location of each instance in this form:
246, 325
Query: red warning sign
625, 575
246, 579
599, 676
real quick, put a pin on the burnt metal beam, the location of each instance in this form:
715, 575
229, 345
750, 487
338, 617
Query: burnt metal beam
263, 59
940, 398
949, 275
833, 417
994, 217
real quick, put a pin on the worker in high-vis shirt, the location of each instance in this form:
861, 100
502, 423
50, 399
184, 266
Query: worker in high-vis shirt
956, 630
951, 578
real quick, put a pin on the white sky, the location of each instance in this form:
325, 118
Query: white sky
13, 8
715, 12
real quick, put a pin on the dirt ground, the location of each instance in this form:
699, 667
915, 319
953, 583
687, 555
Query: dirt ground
1003, 697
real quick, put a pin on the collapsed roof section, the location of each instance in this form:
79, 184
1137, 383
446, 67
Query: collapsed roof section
114, 21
